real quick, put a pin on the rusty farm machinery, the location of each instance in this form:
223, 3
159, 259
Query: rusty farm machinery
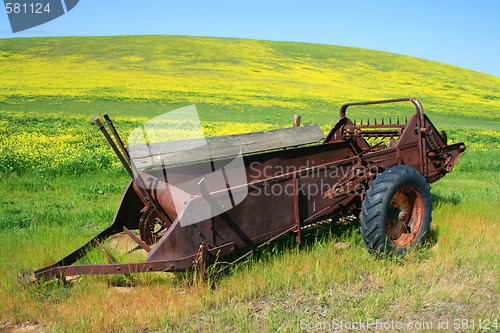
190, 202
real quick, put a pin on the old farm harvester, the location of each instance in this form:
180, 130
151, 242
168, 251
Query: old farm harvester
193, 201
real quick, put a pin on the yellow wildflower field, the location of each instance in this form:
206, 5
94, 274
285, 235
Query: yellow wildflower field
44, 143
222, 71
263, 83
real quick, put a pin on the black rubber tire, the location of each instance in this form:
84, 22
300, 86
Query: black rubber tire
378, 211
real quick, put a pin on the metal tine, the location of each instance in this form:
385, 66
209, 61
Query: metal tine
354, 122
375, 121
406, 120
382, 121
398, 121
361, 121
390, 120
368, 121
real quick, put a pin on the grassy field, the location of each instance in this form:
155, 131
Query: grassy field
60, 184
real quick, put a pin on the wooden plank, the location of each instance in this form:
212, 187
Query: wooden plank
195, 150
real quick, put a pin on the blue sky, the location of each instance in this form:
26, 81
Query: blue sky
461, 33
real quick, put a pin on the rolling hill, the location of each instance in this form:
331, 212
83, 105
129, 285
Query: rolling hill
243, 76
60, 183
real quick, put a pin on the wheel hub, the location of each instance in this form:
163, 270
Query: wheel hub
150, 227
405, 217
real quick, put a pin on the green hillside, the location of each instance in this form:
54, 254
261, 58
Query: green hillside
60, 184
228, 74
50, 87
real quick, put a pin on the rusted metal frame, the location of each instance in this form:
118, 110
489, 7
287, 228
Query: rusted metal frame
228, 188
421, 143
436, 150
136, 239
225, 217
349, 139
338, 128
126, 154
236, 229
419, 165
211, 226
435, 175
232, 263
140, 181
385, 126
154, 203
77, 254
421, 152
417, 144
434, 145
120, 156
132, 171
124, 162
296, 207
176, 265
398, 155
306, 171
417, 104
369, 149
390, 124
366, 136
341, 201
339, 189
104, 251
372, 132
300, 173
351, 179
369, 134
117, 136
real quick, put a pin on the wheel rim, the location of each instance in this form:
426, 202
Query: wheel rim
405, 217
150, 227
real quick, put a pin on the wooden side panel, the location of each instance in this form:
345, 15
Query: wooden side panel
188, 151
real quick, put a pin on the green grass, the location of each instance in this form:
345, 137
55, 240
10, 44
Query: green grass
60, 184
454, 276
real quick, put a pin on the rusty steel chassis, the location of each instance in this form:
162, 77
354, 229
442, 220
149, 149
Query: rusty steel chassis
418, 145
